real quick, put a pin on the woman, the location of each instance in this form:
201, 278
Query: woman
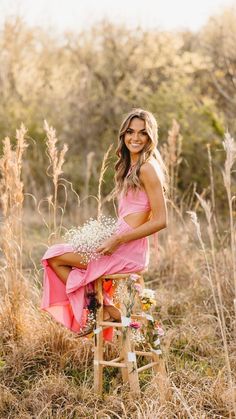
140, 180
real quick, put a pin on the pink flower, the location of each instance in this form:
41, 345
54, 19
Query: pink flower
138, 288
135, 325
134, 277
160, 331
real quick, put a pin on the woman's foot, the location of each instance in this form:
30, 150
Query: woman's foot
110, 319
86, 330
106, 315
112, 314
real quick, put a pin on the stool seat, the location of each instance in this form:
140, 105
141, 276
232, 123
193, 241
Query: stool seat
128, 356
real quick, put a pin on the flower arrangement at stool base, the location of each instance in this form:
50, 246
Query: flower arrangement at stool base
144, 334
136, 342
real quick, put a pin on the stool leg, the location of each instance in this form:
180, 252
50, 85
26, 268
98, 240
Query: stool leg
130, 373
137, 305
141, 281
98, 345
131, 365
161, 378
124, 371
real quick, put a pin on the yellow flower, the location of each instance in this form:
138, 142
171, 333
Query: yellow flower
146, 306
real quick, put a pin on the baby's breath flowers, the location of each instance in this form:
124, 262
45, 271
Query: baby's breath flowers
137, 337
146, 334
87, 238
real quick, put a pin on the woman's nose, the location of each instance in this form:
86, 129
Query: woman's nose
135, 136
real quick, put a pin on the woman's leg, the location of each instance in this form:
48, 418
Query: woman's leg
111, 312
63, 264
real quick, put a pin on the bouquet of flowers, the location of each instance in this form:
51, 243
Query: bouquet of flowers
148, 334
147, 297
87, 238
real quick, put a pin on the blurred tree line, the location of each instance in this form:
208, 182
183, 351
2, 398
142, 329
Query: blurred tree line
84, 83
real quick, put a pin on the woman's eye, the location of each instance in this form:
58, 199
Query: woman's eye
128, 131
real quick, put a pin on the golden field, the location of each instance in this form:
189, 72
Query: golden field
50, 180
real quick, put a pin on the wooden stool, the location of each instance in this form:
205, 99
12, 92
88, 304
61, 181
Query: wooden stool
127, 359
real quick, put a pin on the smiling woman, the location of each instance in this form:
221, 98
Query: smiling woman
140, 178
136, 137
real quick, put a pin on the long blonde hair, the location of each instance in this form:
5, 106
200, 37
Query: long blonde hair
122, 166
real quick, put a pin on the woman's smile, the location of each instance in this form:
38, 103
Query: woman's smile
135, 144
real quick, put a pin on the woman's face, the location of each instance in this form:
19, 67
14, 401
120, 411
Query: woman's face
136, 137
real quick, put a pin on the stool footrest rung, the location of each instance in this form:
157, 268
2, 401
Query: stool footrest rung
112, 364
143, 353
120, 358
105, 323
146, 367
138, 317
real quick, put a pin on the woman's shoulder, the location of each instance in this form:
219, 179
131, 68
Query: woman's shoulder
149, 168
150, 174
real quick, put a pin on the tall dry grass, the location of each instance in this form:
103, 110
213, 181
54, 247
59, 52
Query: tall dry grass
229, 145
212, 255
89, 166
56, 160
11, 198
101, 179
47, 372
171, 152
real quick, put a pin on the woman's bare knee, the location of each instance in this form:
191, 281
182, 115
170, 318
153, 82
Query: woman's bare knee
54, 261
71, 259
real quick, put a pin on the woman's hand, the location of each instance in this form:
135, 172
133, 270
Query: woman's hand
109, 245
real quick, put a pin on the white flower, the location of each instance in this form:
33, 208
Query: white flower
157, 351
87, 238
147, 293
137, 336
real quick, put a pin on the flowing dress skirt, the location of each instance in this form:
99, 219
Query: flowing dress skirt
67, 303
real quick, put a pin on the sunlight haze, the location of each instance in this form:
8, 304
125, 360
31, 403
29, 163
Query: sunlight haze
78, 15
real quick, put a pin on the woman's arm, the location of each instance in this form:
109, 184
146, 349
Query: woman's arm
153, 187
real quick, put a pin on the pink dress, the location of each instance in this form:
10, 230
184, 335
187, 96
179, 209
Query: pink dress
68, 303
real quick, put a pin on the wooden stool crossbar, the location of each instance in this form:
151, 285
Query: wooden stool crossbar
127, 359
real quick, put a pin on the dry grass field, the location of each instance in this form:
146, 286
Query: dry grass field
46, 371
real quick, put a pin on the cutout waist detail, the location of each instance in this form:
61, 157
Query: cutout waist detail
136, 219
